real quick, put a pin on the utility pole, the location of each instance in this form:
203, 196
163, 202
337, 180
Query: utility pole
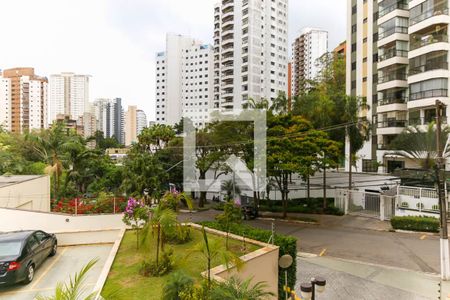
350, 158
440, 179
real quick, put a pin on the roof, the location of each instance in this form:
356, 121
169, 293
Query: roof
17, 179
15, 235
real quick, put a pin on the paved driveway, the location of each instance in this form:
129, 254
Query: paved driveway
65, 263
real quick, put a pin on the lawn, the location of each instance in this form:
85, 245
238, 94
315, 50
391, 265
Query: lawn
124, 281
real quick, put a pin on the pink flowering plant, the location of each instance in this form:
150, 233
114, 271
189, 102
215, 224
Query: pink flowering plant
136, 215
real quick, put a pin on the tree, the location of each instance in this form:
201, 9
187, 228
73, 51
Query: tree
156, 137
236, 289
230, 188
281, 104
419, 145
75, 289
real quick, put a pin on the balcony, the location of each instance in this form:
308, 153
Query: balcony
392, 100
393, 30
428, 94
435, 11
425, 40
399, 5
392, 123
429, 66
391, 104
392, 53
392, 76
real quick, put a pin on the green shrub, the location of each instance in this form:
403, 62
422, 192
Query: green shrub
181, 235
287, 244
427, 224
175, 285
164, 266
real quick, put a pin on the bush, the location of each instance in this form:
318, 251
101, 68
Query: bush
427, 224
287, 244
182, 235
164, 266
175, 285
305, 206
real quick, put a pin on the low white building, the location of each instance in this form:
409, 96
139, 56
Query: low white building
27, 192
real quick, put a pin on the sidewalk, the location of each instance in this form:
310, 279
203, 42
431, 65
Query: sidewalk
354, 280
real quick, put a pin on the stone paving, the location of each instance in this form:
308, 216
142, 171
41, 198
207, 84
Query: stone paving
349, 280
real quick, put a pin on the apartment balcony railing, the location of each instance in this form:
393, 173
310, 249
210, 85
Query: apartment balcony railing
391, 31
399, 5
428, 40
392, 100
424, 121
430, 66
428, 14
392, 76
428, 94
392, 123
392, 53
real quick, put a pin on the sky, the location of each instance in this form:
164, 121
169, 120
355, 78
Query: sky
115, 41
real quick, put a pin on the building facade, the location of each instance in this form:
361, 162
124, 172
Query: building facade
250, 51
398, 60
68, 95
184, 81
307, 48
141, 120
23, 100
110, 118
131, 125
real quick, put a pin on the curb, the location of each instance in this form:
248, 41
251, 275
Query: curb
288, 221
415, 232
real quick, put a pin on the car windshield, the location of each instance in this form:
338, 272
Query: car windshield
10, 248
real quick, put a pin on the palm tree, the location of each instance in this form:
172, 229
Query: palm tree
236, 289
281, 104
176, 283
215, 250
419, 145
230, 188
163, 221
253, 104
75, 289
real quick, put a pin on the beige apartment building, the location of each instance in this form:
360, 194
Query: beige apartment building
23, 100
131, 125
397, 58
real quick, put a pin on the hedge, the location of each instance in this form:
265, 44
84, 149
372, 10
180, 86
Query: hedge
287, 244
427, 224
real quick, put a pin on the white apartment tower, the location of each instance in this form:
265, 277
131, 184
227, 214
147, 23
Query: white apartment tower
397, 57
250, 51
184, 81
23, 100
307, 48
68, 95
141, 120
110, 118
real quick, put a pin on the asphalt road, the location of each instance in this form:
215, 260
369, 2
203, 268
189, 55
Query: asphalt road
344, 239
59, 268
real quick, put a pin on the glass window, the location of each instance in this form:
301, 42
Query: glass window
40, 236
32, 243
10, 248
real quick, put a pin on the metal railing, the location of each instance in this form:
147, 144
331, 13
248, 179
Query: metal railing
392, 124
430, 66
391, 31
392, 53
428, 14
399, 5
428, 40
428, 94
392, 100
392, 76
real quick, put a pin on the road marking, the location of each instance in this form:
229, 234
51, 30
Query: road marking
423, 237
49, 267
323, 252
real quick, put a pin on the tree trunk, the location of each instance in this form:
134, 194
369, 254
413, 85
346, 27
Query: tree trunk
158, 240
285, 195
202, 200
325, 204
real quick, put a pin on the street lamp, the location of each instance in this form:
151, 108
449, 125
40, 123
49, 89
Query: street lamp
308, 290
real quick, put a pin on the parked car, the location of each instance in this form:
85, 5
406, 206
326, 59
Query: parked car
249, 212
22, 252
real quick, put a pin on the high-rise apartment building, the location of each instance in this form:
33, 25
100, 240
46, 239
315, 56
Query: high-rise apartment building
250, 51
141, 120
398, 60
307, 48
68, 94
23, 100
131, 125
184, 81
110, 118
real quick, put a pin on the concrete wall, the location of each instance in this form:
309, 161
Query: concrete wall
13, 219
260, 265
87, 237
33, 194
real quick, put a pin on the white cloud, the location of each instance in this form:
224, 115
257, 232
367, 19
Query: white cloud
115, 40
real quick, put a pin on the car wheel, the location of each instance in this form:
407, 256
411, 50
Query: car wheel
29, 274
54, 249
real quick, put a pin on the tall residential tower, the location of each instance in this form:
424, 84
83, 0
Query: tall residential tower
250, 51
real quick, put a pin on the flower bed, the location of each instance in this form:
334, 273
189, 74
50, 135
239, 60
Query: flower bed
89, 206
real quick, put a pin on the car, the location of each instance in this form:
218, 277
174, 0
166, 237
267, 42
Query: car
249, 212
22, 252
